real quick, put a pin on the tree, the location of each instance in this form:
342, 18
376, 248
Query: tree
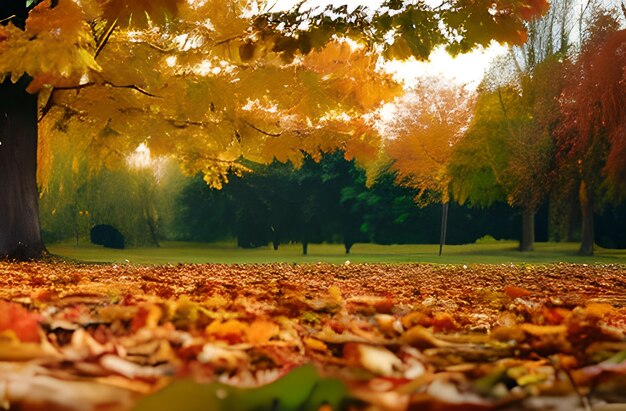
343, 186
510, 142
422, 136
205, 91
129, 197
507, 153
203, 213
20, 235
330, 188
591, 136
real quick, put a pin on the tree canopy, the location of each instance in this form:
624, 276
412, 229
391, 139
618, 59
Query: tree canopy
231, 79
430, 121
212, 82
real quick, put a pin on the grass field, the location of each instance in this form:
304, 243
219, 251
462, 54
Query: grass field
496, 252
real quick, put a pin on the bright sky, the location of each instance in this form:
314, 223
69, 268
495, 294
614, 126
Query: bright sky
465, 69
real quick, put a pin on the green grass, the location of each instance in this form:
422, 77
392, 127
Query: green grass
497, 252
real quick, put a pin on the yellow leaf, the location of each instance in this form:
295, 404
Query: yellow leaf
261, 331
231, 330
539, 330
599, 309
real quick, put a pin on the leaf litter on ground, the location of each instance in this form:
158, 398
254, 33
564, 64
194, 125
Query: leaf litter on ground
312, 337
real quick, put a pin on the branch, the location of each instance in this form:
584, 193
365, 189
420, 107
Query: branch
506, 115
584, 401
105, 38
173, 121
133, 87
78, 87
8, 18
261, 131
185, 123
108, 83
229, 39
50, 103
46, 108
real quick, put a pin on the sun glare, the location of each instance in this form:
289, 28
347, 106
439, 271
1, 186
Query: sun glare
467, 69
140, 158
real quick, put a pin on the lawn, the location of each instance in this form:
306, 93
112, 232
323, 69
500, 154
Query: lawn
495, 252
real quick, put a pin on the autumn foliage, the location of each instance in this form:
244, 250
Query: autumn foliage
210, 83
429, 122
387, 337
594, 106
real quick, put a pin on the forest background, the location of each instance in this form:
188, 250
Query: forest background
535, 153
521, 157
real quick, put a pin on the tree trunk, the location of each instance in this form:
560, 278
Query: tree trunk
444, 226
275, 239
152, 228
348, 245
586, 208
305, 247
20, 236
528, 230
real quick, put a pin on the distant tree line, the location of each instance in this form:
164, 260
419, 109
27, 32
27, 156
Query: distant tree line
537, 153
546, 126
329, 201
322, 201
325, 201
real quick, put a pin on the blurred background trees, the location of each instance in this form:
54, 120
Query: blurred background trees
537, 152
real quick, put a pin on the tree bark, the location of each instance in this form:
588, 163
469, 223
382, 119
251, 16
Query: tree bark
347, 246
587, 232
444, 226
20, 236
528, 230
275, 239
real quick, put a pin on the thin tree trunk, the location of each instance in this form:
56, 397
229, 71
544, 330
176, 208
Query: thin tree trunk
275, 240
528, 230
347, 246
20, 236
444, 226
305, 247
586, 208
152, 228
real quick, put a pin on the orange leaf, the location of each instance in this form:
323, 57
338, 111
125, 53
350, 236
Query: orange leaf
444, 322
231, 330
516, 292
598, 309
539, 330
315, 344
261, 331
148, 316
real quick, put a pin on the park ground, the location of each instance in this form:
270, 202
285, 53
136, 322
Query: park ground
488, 252
487, 328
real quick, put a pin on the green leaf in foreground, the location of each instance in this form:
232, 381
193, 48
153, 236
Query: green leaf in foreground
302, 389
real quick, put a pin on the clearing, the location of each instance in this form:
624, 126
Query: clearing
493, 252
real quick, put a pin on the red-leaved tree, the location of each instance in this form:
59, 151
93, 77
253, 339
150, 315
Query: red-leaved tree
592, 135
